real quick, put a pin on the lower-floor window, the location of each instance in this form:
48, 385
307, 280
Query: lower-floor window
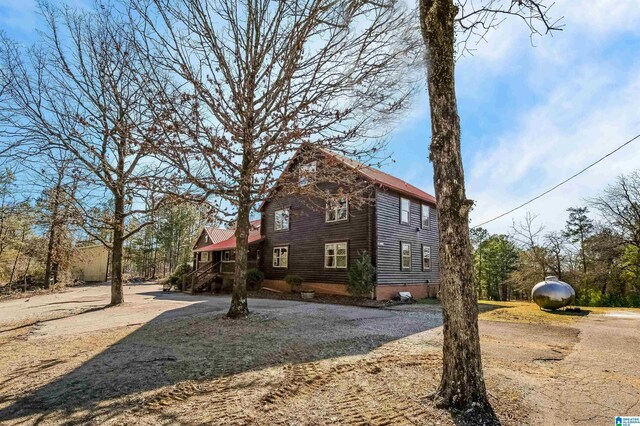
426, 258
280, 257
405, 255
335, 255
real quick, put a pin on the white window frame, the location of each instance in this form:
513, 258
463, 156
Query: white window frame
402, 256
285, 213
426, 254
333, 207
226, 256
306, 170
402, 210
276, 262
335, 247
425, 214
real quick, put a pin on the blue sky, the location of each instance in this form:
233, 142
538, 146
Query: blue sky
531, 115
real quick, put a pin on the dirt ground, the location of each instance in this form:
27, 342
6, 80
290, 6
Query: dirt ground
174, 359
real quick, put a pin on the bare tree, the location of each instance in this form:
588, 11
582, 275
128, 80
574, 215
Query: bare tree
462, 383
255, 80
555, 243
528, 235
619, 205
79, 90
55, 206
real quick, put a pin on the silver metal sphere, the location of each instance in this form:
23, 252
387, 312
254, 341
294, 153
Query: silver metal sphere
553, 294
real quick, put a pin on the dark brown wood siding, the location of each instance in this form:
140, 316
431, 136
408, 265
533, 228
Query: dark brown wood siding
201, 242
307, 236
391, 233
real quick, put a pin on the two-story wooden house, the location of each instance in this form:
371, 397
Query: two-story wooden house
398, 228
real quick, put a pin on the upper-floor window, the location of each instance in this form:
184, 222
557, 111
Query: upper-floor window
337, 210
335, 255
206, 238
425, 216
280, 257
405, 206
405, 256
307, 170
281, 222
426, 258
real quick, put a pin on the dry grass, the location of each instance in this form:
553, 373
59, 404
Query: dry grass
530, 313
526, 312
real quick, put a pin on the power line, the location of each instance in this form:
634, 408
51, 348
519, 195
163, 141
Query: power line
560, 184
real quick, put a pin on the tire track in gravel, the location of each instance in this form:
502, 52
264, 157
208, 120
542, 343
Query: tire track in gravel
305, 379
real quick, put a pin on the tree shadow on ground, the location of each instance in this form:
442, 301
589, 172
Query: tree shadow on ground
196, 342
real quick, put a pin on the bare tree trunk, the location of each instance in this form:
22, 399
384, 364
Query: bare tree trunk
462, 384
239, 307
584, 257
117, 296
54, 272
15, 262
26, 272
52, 231
49, 261
155, 261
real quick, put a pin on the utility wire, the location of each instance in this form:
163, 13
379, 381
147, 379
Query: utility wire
560, 184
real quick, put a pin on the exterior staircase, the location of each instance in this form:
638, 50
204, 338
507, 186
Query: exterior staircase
202, 279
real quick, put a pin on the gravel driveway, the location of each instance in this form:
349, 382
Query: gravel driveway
57, 314
158, 339
171, 358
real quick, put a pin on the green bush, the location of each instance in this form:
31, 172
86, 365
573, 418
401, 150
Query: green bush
593, 297
176, 278
255, 277
182, 269
294, 281
361, 280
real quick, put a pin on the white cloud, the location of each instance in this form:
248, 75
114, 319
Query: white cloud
586, 105
601, 17
579, 122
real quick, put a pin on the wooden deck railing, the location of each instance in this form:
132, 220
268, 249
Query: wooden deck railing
208, 270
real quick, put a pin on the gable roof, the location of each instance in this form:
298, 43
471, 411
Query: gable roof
375, 176
229, 243
381, 178
218, 234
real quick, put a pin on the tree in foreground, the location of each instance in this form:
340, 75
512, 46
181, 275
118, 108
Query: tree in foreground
255, 80
80, 91
462, 384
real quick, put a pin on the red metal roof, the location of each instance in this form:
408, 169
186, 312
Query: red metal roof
230, 242
383, 179
217, 235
